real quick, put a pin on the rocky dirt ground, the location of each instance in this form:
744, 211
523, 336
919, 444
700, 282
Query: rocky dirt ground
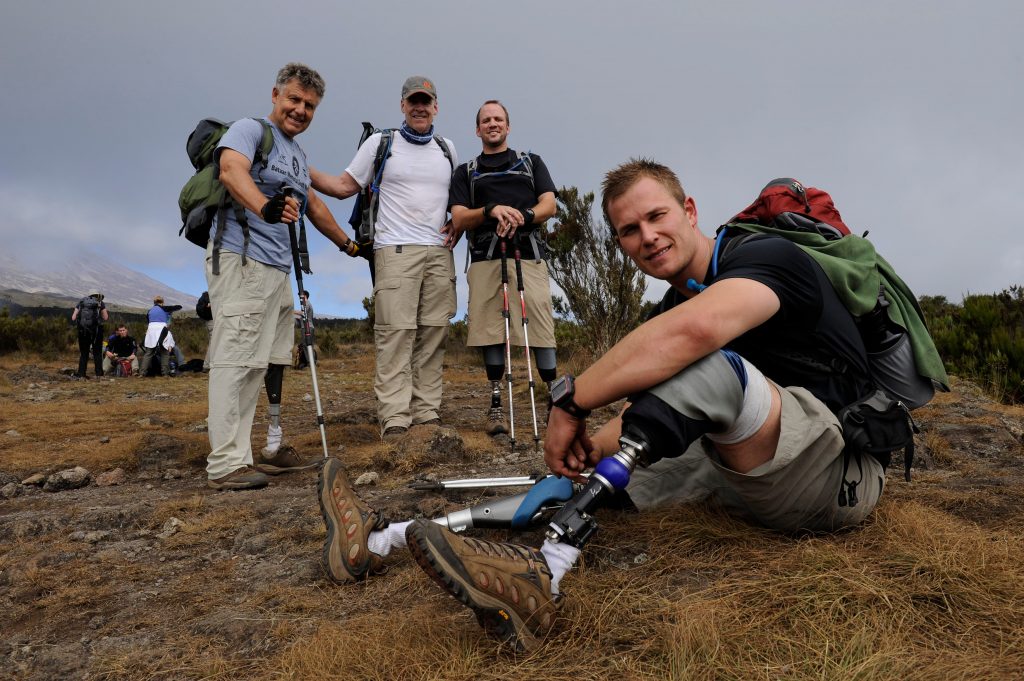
129, 567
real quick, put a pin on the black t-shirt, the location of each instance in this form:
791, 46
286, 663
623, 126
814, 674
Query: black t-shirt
500, 181
122, 347
812, 341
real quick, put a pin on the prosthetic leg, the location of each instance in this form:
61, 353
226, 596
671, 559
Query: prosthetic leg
574, 524
273, 382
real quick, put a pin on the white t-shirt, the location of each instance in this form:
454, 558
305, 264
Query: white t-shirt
413, 202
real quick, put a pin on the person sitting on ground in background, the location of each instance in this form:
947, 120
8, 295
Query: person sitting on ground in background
301, 362
120, 346
505, 198
88, 316
732, 391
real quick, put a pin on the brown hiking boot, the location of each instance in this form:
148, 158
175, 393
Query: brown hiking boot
508, 586
392, 433
285, 460
496, 423
349, 521
245, 477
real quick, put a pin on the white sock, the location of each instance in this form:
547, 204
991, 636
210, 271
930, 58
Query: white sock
561, 557
391, 537
274, 435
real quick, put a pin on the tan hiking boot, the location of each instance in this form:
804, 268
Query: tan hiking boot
286, 460
496, 422
245, 477
349, 521
508, 586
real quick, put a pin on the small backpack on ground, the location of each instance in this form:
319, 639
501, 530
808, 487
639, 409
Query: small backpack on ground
203, 309
88, 319
364, 212
903, 363
204, 199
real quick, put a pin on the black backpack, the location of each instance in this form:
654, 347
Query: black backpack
203, 309
204, 199
364, 212
88, 314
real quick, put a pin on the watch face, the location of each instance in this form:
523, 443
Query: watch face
561, 389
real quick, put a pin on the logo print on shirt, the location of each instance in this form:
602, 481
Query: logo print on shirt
295, 166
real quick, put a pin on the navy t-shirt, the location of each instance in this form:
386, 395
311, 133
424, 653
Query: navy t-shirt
812, 341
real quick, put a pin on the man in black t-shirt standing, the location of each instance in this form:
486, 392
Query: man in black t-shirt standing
504, 197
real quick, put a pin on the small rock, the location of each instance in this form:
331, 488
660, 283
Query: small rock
640, 559
368, 478
111, 478
10, 490
307, 398
172, 474
170, 528
72, 478
13, 433
35, 480
96, 536
32, 386
77, 535
105, 439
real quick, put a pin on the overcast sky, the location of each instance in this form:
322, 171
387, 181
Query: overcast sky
909, 113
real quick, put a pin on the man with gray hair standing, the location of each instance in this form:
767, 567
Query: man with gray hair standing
414, 291
247, 274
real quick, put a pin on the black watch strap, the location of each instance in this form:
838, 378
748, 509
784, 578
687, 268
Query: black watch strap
563, 390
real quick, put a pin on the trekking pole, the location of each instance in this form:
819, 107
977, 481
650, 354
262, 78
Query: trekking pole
508, 345
526, 342
307, 338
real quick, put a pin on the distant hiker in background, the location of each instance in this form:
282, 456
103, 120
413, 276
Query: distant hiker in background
504, 195
205, 312
120, 348
414, 289
153, 343
301, 361
88, 317
250, 294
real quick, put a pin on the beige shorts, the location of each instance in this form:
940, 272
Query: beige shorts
252, 314
797, 489
486, 323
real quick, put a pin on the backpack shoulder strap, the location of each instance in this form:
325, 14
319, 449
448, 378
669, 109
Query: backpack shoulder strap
387, 136
266, 144
447, 152
471, 175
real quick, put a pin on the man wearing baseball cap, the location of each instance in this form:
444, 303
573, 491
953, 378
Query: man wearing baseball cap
414, 285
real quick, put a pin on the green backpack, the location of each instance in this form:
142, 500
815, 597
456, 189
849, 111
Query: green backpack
204, 199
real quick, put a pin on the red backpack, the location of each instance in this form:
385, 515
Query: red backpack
786, 204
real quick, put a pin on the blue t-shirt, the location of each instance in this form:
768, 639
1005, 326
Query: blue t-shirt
158, 314
268, 244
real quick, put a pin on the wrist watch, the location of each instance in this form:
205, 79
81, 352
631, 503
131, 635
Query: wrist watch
562, 392
529, 216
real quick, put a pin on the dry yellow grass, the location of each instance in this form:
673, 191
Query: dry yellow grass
931, 587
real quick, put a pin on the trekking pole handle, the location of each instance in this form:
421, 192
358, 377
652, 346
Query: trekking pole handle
504, 261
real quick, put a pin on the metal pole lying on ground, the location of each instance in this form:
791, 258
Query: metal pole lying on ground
526, 342
307, 338
508, 344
